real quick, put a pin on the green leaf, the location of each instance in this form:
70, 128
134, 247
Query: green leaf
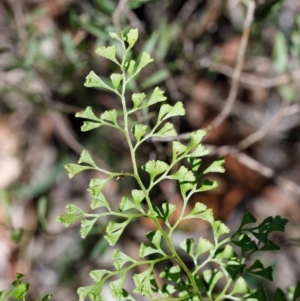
188, 246
156, 96
199, 282
98, 183
195, 164
97, 275
144, 61
279, 295
235, 270
137, 98
212, 277
116, 79
18, 280
47, 297
120, 258
246, 244
168, 289
155, 238
207, 185
142, 283
73, 214
85, 157
99, 200
74, 169
248, 218
94, 81
115, 36
166, 131
74, 210
127, 204
116, 288
203, 246
154, 168
108, 52
240, 287
172, 274
132, 37
114, 231
271, 224
257, 268
219, 228
183, 175
67, 219
139, 130
185, 187
202, 212
87, 113
147, 250
196, 138
111, 116
259, 295
129, 66
84, 292
19, 292
166, 111
297, 292
227, 252
86, 226
177, 149
199, 151
262, 237
87, 126
168, 209
216, 166
126, 296
137, 195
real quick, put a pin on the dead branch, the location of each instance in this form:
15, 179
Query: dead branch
196, 29
238, 69
117, 14
269, 125
251, 79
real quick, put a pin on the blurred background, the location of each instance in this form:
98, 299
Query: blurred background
47, 49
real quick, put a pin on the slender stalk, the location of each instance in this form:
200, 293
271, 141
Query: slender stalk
146, 192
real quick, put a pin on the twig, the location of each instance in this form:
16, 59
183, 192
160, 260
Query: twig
238, 69
258, 135
117, 14
253, 80
186, 10
263, 131
237, 151
196, 29
242, 158
134, 20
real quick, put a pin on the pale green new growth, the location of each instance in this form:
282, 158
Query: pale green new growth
214, 264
